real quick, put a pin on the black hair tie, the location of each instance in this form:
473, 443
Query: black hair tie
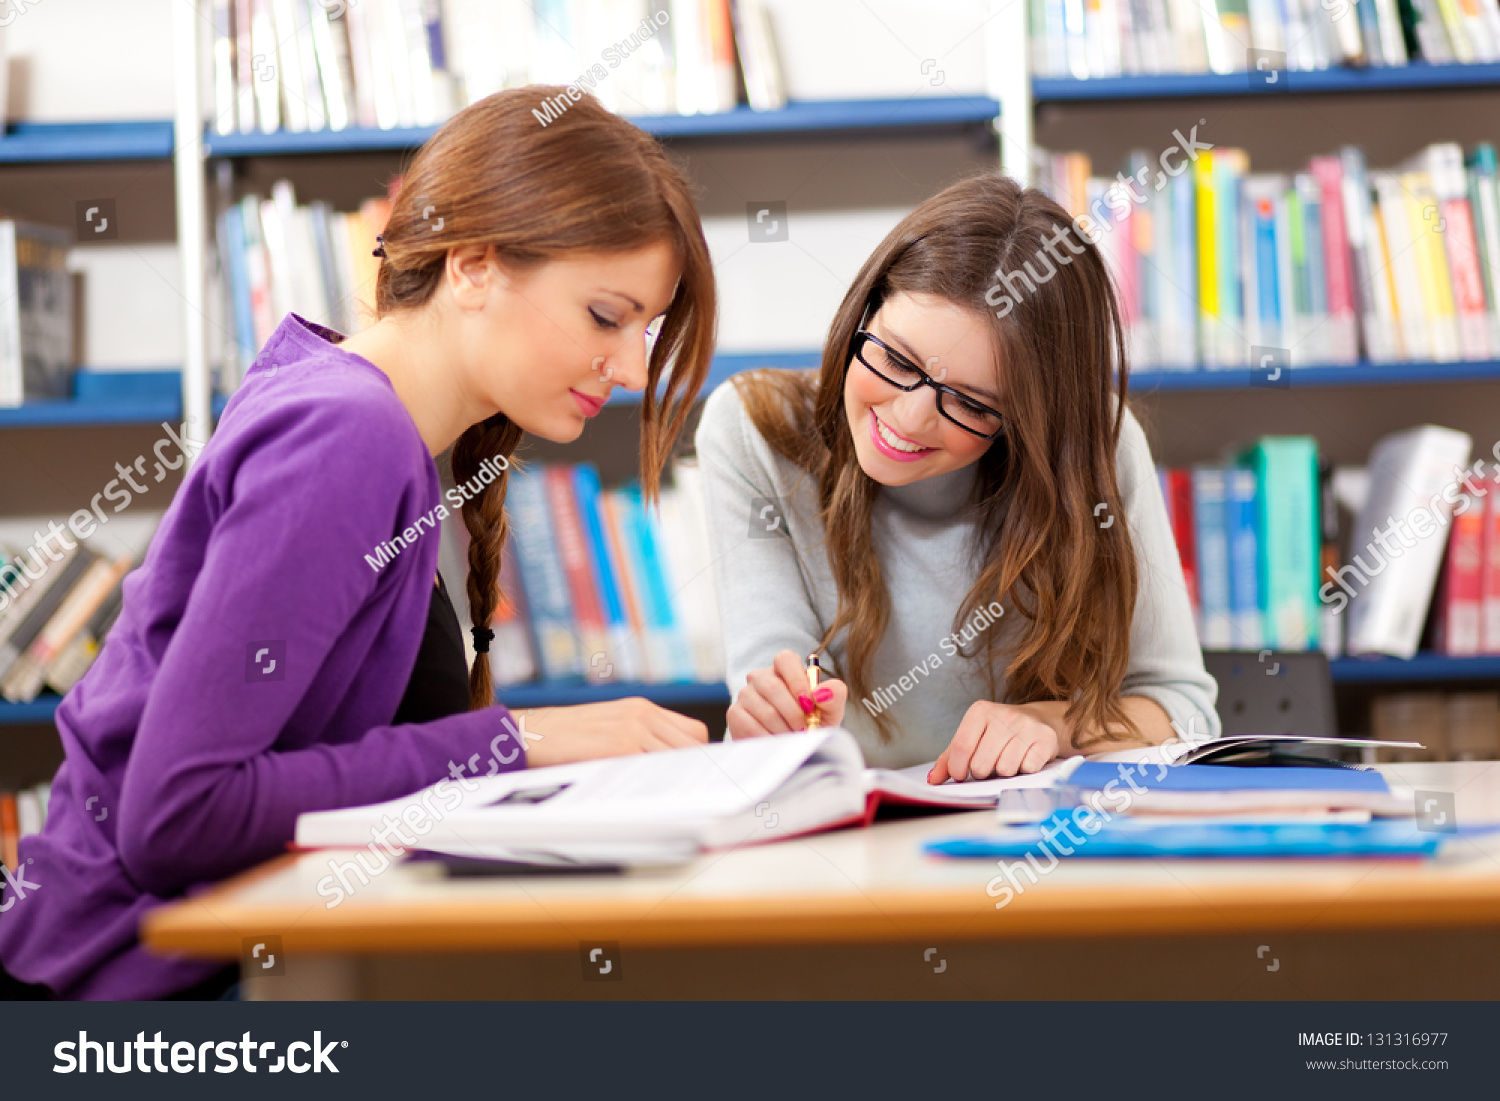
379, 246
483, 636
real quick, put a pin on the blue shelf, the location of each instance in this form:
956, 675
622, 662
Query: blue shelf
103, 398
668, 695
1359, 374
726, 364
51, 142
1380, 670
812, 116
39, 710
1183, 85
148, 397
819, 115
515, 697
1423, 667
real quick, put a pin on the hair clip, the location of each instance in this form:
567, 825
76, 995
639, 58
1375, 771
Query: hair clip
379, 246
483, 636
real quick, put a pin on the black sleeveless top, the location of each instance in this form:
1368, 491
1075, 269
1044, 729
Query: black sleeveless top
439, 684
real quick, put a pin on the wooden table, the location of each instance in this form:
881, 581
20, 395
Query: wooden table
864, 914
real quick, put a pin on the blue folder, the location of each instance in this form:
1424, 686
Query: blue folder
1094, 775
1128, 837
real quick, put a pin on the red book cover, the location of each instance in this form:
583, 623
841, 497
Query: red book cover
1458, 613
1329, 173
1181, 511
1489, 581
10, 829
1468, 282
573, 547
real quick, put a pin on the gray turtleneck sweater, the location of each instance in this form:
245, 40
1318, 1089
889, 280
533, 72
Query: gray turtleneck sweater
776, 590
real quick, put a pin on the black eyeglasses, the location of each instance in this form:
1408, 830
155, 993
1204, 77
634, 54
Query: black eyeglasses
891, 366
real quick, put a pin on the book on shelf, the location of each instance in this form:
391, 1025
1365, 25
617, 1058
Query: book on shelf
1269, 563
276, 256
310, 65
1412, 487
1225, 268
596, 587
55, 607
36, 313
22, 813
74, 610
1108, 38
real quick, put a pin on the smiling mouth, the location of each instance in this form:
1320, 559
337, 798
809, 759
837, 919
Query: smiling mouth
889, 437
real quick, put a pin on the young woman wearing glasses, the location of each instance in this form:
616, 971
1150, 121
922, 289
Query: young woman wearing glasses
958, 511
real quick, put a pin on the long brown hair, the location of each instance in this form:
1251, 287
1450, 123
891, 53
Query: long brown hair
586, 181
1037, 488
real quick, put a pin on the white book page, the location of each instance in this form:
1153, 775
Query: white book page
656, 795
912, 783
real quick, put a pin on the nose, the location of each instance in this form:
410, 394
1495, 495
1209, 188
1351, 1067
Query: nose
626, 365
917, 409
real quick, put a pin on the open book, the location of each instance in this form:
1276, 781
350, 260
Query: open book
1246, 749
654, 807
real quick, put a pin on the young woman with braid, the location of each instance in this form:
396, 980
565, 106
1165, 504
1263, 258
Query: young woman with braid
972, 531
267, 660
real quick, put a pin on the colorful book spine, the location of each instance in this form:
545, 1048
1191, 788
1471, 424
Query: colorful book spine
1245, 599
1489, 584
1183, 534
624, 646
1211, 539
1331, 620
1291, 547
641, 540
547, 594
1460, 595
573, 550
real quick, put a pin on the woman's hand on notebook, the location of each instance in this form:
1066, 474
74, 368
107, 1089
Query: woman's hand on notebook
996, 739
614, 728
777, 701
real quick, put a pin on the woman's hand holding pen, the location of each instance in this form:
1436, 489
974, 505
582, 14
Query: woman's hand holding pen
777, 700
996, 739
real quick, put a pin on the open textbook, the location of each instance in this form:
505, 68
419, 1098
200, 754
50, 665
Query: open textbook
668, 806
654, 807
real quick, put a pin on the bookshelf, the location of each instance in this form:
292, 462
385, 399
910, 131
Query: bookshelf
1007, 104
1415, 77
65, 142
1423, 669
808, 117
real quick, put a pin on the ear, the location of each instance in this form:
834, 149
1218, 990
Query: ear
471, 272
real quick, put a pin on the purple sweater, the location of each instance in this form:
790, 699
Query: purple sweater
201, 758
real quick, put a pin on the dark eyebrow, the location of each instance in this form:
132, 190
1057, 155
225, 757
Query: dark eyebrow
910, 353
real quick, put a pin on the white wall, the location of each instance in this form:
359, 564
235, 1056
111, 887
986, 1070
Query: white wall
89, 59
132, 305
781, 295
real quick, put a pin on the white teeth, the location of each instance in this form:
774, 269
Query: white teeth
893, 440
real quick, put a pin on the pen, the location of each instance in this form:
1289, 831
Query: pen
814, 721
